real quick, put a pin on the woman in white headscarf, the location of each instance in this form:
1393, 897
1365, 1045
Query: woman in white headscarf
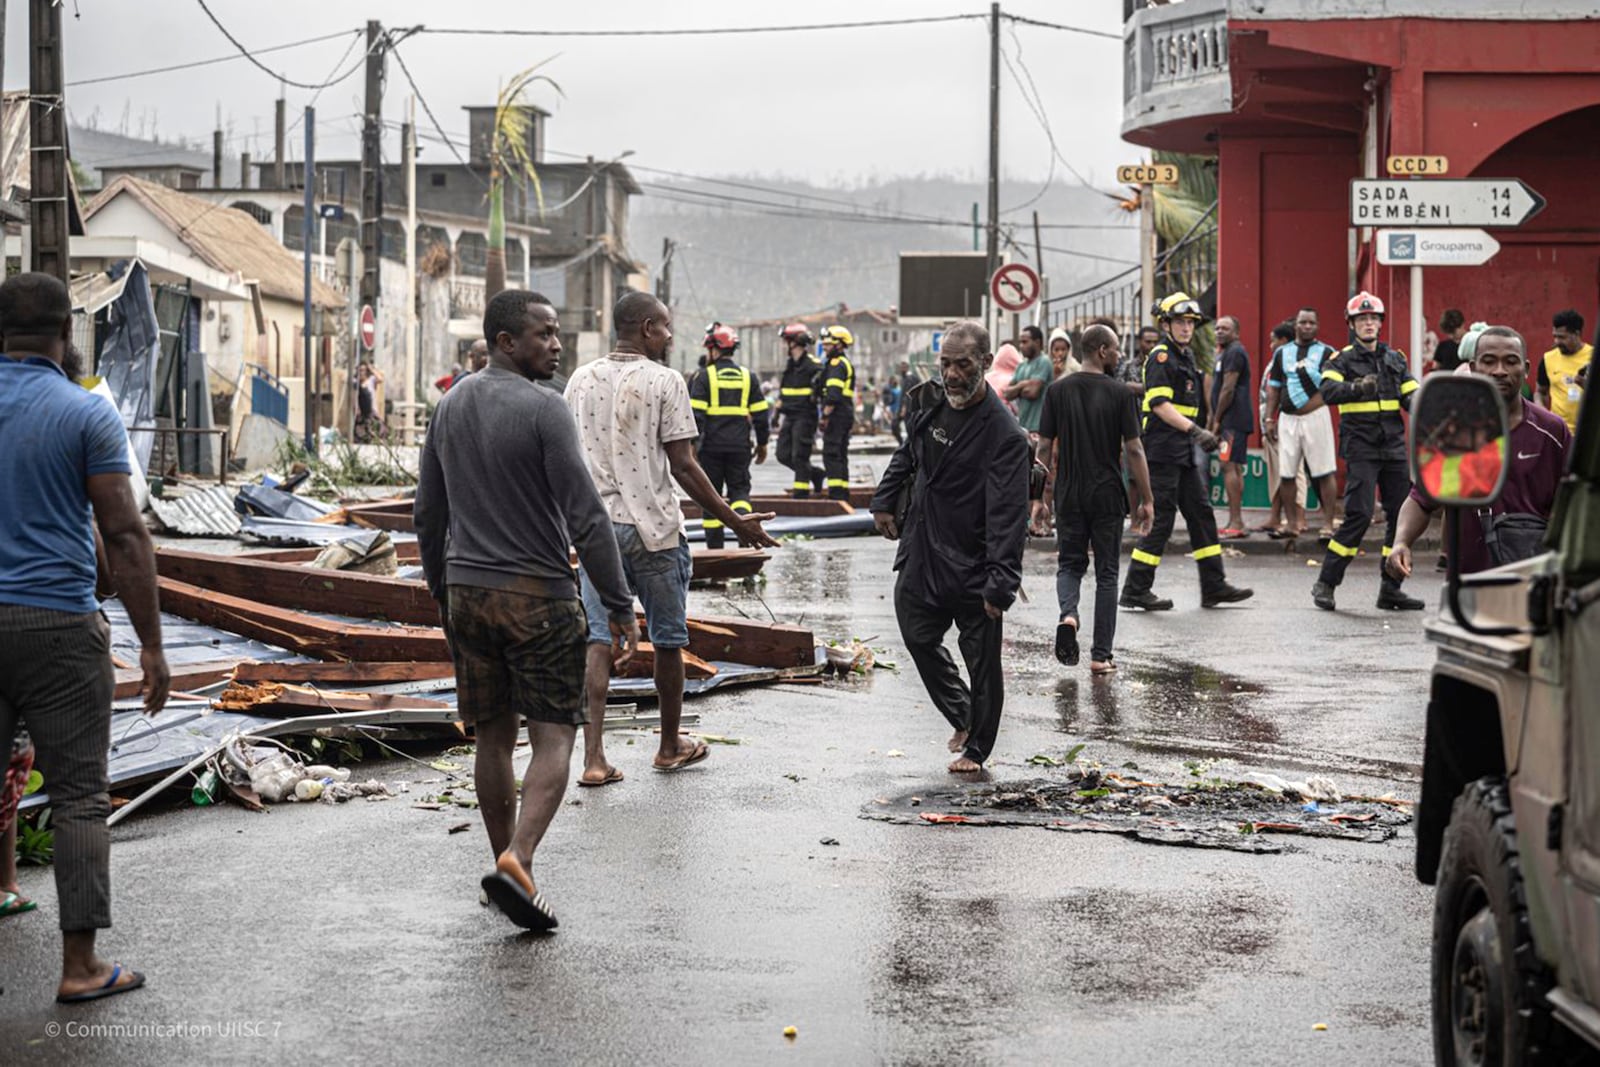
1061, 357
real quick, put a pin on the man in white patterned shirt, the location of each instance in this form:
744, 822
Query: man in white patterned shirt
637, 430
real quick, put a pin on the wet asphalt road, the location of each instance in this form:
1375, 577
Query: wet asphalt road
701, 915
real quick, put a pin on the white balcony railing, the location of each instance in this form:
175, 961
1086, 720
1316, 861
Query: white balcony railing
1176, 63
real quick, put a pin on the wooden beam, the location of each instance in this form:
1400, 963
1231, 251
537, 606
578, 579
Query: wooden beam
710, 564
302, 633
759, 644
860, 495
643, 664
130, 681
255, 698
810, 507
292, 585
343, 673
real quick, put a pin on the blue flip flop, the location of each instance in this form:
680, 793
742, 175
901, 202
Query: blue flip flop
110, 989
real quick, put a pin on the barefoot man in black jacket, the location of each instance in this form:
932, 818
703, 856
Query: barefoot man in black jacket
965, 460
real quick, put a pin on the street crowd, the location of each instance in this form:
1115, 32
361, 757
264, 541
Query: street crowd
1064, 432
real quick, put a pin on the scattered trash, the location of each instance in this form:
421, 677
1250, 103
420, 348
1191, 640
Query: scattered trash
718, 739
829, 841
460, 827
1319, 1026
894, 753
1208, 813
790, 1032
1042, 760
794, 777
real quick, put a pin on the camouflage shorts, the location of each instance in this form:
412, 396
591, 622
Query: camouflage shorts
517, 653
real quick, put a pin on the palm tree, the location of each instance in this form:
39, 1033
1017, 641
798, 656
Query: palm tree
509, 158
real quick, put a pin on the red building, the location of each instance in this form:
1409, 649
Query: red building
1296, 98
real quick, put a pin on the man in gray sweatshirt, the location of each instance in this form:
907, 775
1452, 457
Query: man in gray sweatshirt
503, 492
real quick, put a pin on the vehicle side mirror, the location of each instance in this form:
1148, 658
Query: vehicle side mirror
1460, 440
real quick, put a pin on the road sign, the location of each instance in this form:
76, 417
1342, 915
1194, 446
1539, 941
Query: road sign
369, 327
1148, 174
938, 341
1014, 287
330, 211
1435, 248
1441, 204
1411, 166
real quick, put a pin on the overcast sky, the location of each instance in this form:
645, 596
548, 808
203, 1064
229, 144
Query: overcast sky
834, 107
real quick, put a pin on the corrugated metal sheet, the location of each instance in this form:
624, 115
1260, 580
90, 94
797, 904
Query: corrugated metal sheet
203, 513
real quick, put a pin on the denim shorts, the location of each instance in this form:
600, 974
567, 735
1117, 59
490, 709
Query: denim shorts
661, 582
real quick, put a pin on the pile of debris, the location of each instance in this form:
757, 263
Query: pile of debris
1205, 813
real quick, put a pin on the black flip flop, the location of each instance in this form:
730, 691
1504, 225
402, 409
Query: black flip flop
110, 989
507, 894
1067, 644
698, 753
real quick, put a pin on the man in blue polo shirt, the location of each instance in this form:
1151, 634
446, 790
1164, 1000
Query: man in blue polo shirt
63, 470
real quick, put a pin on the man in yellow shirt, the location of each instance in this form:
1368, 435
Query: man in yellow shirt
1560, 383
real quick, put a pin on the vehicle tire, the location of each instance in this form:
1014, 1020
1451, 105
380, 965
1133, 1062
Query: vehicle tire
1489, 1007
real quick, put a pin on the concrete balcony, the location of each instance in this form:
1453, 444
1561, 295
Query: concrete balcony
1175, 64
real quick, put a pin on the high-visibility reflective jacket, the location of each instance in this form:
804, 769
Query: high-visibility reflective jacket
839, 383
797, 389
1171, 377
1370, 427
727, 401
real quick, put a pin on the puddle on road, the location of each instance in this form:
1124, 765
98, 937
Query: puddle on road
969, 962
1169, 698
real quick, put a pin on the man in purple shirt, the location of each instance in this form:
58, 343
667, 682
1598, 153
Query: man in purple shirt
1538, 455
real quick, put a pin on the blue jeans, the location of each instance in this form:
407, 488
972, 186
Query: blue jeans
1076, 533
661, 582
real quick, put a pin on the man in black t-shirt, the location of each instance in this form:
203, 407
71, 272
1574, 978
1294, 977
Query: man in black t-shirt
1087, 422
1231, 418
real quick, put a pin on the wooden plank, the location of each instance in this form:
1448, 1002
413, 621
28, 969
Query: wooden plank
302, 633
393, 521
643, 664
759, 644
267, 697
192, 676
810, 508
860, 495
342, 673
404, 552
292, 585
710, 564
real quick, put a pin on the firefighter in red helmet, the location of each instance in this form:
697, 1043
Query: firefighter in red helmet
727, 405
1369, 384
797, 410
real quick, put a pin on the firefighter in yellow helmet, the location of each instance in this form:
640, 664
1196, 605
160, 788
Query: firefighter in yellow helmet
1174, 423
838, 409
727, 405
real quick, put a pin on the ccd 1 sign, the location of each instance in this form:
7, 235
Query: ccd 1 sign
1442, 202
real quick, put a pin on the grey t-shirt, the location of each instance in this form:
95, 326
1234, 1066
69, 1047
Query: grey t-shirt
503, 493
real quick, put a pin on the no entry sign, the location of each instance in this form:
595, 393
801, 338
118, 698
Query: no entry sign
1014, 287
369, 327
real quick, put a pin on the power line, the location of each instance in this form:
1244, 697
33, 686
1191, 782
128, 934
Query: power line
229, 58
1061, 26
427, 110
708, 31
246, 53
1035, 102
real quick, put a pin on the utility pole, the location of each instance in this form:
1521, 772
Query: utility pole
408, 141
47, 113
280, 177
216, 158
992, 261
305, 244
372, 168
1044, 281
1147, 253
664, 281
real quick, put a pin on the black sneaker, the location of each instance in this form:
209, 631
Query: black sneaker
1225, 594
1067, 644
1146, 600
1322, 596
1391, 599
